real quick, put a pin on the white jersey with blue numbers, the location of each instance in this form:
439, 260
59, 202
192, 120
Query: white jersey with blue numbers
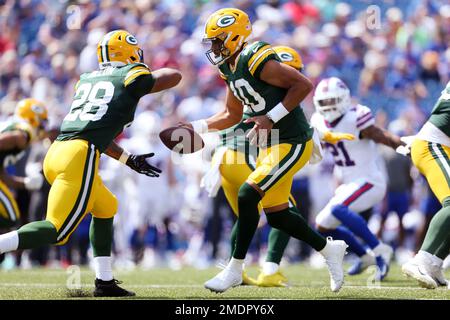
353, 159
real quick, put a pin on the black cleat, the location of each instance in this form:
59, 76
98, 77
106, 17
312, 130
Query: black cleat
110, 289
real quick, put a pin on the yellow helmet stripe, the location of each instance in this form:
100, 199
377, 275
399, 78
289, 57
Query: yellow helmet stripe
104, 45
260, 59
135, 75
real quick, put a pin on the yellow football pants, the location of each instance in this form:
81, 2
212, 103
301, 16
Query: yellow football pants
433, 161
9, 211
235, 169
71, 167
275, 170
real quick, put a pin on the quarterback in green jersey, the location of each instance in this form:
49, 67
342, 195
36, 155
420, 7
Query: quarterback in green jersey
104, 103
267, 93
430, 152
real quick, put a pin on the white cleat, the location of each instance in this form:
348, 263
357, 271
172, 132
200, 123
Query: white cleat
224, 280
436, 272
414, 270
334, 253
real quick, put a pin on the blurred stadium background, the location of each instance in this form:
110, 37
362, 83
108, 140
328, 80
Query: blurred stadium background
397, 66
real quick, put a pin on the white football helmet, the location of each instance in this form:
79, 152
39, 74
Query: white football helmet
332, 98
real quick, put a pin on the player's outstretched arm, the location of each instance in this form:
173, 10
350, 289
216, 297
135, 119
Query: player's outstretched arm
165, 78
31, 183
13, 139
380, 135
136, 162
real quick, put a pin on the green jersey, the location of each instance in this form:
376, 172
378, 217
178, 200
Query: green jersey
105, 102
10, 157
234, 137
440, 116
259, 97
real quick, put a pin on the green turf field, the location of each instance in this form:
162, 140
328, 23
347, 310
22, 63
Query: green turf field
306, 283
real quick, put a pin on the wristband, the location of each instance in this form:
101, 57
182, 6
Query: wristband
200, 126
124, 157
277, 113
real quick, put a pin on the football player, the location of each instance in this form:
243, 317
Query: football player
235, 160
357, 164
16, 136
269, 92
104, 103
430, 152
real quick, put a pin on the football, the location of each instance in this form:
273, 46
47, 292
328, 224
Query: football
181, 140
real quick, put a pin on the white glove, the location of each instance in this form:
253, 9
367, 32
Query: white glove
317, 154
33, 182
212, 180
405, 150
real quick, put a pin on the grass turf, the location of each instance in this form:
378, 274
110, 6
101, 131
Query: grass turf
306, 283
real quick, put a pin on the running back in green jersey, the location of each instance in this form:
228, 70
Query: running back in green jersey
105, 102
440, 116
10, 157
259, 97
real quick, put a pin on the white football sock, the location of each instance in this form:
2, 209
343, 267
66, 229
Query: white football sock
270, 268
378, 249
9, 241
236, 264
103, 268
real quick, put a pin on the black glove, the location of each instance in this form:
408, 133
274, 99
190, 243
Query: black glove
139, 164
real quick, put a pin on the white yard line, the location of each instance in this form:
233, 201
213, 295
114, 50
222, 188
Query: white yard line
56, 285
168, 286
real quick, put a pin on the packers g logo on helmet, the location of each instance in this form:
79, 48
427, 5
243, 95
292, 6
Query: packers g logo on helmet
38, 109
226, 21
131, 39
118, 48
286, 56
32, 111
289, 56
231, 27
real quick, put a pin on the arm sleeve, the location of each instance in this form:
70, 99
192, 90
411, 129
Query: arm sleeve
139, 81
364, 117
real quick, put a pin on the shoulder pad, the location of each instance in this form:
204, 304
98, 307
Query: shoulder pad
256, 53
134, 71
364, 117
